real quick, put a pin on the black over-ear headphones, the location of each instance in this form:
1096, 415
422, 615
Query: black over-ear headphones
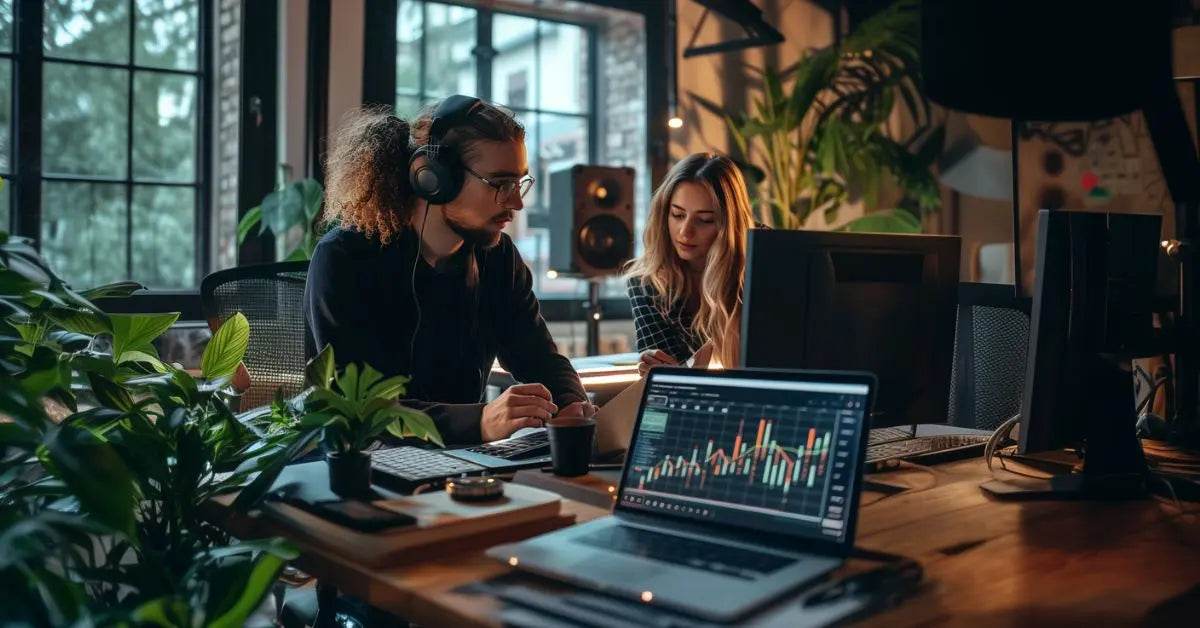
440, 177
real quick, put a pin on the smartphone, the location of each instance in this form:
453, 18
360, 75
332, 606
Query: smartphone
354, 514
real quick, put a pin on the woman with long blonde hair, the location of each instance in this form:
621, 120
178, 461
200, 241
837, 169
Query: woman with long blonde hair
686, 288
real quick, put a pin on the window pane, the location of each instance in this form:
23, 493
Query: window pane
514, 68
95, 31
83, 232
6, 22
409, 27
167, 32
564, 49
5, 205
5, 115
562, 143
449, 50
164, 127
86, 119
164, 253
408, 106
529, 121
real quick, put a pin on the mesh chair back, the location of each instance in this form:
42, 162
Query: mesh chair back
990, 346
270, 296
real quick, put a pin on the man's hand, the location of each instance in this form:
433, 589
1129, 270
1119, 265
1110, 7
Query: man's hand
653, 357
523, 405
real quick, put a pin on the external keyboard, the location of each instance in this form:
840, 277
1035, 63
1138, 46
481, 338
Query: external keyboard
922, 445
738, 562
404, 468
527, 446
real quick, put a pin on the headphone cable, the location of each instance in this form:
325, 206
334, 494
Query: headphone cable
412, 342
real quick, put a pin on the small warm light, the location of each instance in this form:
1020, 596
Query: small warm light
647, 596
596, 317
1166, 243
512, 561
552, 274
675, 122
602, 192
612, 489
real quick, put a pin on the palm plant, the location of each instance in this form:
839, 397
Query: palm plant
821, 138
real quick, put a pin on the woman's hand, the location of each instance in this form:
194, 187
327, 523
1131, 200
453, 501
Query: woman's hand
654, 357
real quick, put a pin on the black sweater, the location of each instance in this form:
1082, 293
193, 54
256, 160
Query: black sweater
359, 298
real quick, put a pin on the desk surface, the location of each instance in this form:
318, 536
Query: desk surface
1002, 562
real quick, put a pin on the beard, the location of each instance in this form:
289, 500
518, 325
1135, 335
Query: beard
474, 237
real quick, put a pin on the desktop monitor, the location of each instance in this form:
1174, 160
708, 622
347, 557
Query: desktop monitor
1093, 311
882, 303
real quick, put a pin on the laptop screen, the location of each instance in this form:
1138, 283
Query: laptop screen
773, 453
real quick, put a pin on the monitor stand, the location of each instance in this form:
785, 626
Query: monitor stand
1114, 465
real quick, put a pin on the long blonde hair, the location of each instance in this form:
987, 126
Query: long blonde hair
718, 319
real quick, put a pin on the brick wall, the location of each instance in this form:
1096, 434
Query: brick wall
228, 116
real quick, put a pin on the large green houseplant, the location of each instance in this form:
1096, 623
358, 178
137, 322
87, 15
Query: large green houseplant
108, 460
815, 137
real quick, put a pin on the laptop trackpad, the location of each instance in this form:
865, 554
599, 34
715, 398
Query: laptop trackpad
616, 569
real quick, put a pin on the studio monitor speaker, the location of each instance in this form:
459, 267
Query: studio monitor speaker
591, 220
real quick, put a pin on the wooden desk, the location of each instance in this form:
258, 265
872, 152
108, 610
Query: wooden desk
985, 561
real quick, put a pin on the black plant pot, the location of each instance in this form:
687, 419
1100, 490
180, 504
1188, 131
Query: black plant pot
349, 473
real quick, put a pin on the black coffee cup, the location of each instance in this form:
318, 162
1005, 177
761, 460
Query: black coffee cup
571, 445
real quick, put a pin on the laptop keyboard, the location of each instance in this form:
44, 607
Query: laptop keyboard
887, 434
703, 555
415, 464
921, 445
527, 446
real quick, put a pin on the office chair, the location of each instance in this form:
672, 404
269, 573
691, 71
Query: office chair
270, 296
990, 345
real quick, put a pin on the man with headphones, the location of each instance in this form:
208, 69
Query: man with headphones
418, 277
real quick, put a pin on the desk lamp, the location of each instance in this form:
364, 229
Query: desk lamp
1073, 60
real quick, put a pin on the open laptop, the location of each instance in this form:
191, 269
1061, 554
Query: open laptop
739, 487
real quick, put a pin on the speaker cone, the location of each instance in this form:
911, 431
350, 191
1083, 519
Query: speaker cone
605, 242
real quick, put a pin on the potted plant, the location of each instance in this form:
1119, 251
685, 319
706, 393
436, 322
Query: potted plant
102, 509
815, 144
350, 409
290, 205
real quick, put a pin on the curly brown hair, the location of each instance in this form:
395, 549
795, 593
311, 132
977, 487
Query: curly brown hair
366, 169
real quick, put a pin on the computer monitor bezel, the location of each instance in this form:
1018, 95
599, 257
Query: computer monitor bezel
808, 543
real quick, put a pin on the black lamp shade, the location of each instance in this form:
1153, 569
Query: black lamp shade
1045, 60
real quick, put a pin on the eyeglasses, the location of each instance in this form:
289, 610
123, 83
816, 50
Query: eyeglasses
505, 189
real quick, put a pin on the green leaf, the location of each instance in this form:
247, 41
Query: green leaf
110, 393
283, 209
251, 222
132, 331
389, 388
416, 423
884, 221
42, 373
97, 476
166, 611
82, 322
313, 194
17, 435
117, 290
319, 370
298, 254
249, 496
255, 587
226, 348
143, 357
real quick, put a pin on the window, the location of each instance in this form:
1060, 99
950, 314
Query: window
6, 109
438, 53
122, 170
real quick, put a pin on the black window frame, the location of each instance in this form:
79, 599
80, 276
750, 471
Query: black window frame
379, 88
28, 62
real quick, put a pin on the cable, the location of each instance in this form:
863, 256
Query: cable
412, 341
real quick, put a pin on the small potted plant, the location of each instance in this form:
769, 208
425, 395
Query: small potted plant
350, 409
